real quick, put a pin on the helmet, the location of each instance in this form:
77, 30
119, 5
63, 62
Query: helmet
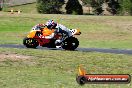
51, 24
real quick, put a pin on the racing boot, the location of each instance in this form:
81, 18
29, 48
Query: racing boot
58, 43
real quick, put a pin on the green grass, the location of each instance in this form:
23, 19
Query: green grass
58, 69
97, 31
27, 8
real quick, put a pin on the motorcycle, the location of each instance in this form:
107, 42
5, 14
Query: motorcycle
34, 39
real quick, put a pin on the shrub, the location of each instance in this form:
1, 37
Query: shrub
49, 6
74, 7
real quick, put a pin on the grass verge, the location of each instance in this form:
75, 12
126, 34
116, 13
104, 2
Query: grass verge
26, 8
58, 69
97, 31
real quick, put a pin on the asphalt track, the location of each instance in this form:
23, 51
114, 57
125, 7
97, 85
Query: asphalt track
115, 51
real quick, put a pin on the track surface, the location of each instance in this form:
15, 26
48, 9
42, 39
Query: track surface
115, 51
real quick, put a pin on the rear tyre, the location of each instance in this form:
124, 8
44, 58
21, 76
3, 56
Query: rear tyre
70, 43
30, 42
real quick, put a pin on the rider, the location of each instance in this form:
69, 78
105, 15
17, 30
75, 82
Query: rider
59, 28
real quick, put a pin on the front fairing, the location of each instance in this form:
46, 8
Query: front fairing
32, 34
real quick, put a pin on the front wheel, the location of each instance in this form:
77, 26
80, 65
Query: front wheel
70, 43
30, 42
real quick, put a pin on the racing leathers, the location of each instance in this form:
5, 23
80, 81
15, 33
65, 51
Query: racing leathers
64, 31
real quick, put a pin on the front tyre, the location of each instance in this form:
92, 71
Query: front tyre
70, 43
30, 42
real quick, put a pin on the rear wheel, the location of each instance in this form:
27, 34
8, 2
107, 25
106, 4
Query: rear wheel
30, 42
70, 43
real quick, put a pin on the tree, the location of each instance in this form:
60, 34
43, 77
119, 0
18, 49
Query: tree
49, 6
74, 7
112, 5
126, 7
86, 2
96, 4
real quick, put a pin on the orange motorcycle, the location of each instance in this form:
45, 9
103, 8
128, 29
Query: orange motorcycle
34, 39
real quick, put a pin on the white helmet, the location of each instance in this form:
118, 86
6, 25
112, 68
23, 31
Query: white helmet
51, 24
